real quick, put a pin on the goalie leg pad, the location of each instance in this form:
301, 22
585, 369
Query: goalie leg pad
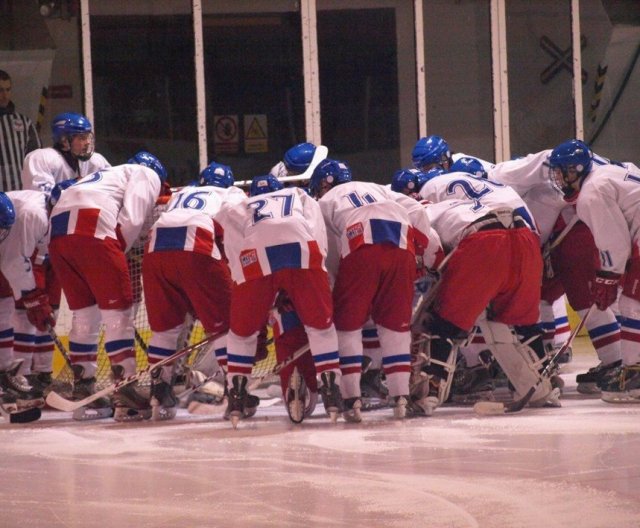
519, 362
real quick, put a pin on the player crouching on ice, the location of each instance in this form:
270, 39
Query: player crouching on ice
493, 263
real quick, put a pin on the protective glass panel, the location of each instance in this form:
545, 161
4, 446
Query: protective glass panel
360, 90
144, 83
255, 83
459, 88
540, 74
611, 96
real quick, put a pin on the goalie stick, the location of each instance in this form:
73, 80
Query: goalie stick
58, 402
491, 408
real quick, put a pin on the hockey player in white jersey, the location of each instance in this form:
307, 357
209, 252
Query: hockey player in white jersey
184, 272
72, 154
374, 236
92, 226
607, 200
478, 218
277, 240
23, 305
571, 264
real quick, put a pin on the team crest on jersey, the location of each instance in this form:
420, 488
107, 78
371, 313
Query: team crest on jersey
247, 258
355, 230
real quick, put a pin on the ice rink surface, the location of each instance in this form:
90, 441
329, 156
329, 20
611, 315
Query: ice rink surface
577, 466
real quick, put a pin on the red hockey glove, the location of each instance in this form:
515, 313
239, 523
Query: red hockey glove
605, 289
39, 310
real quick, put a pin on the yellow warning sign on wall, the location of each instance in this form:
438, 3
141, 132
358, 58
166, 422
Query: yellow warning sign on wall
256, 137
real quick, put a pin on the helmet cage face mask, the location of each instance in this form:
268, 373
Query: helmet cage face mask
81, 146
567, 179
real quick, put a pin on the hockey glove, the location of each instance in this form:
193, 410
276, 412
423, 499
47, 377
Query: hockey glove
39, 311
605, 289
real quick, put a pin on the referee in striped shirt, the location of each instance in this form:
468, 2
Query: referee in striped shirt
18, 137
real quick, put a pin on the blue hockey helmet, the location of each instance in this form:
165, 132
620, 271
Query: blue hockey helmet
68, 124
57, 191
570, 163
264, 184
470, 166
7, 215
298, 158
149, 160
407, 181
431, 151
217, 175
333, 172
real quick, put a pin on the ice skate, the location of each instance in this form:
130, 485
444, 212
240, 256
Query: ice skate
623, 385
84, 387
331, 397
16, 385
351, 411
40, 381
130, 403
399, 405
425, 397
296, 396
472, 384
588, 381
375, 393
237, 402
164, 403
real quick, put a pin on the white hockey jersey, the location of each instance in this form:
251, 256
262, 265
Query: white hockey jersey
114, 202
187, 224
28, 235
273, 231
460, 199
45, 167
609, 203
358, 213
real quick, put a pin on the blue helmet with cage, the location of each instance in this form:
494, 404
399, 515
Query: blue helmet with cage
57, 191
433, 173
570, 163
333, 172
264, 184
470, 166
149, 160
407, 181
217, 175
298, 158
431, 151
68, 124
7, 215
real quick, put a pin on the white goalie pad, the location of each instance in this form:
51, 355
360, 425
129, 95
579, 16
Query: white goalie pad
519, 362
419, 380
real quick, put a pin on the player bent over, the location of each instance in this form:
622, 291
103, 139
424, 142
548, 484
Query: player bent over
374, 235
184, 272
92, 226
276, 239
494, 264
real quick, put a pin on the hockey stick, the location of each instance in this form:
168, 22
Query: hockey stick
58, 402
556, 241
61, 348
489, 408
319, 155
